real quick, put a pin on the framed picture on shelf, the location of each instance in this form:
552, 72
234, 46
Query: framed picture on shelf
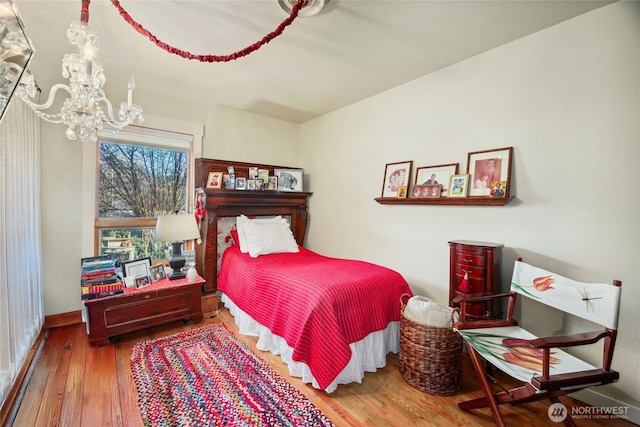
458, 185
289, 179
486, 168
402, 192
498, 189
439, 174
215, 179
272, 183
241, 183
396, 175
156, 272
229, 182
253, 172
137, 267
432, 190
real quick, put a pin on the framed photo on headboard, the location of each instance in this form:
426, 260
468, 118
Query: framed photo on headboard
289, 179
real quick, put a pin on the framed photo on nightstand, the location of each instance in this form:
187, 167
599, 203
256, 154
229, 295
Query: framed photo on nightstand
137, 267
156, 272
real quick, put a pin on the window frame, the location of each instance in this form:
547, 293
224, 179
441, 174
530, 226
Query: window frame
182, 136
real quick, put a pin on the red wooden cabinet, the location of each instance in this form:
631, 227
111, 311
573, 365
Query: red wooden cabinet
156, 304
480, 262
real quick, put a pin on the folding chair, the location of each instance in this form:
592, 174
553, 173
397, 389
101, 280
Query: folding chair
544, 371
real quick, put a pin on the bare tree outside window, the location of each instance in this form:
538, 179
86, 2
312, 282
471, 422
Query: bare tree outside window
138, 181
141, 182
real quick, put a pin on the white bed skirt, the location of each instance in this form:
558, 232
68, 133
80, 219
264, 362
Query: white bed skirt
367, 355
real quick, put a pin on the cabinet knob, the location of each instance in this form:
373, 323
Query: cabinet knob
147, 296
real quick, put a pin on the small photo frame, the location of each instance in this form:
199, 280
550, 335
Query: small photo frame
142, 281
259, 184
241, 183
487, 167
426, 191
215, 179
229, 182
402, 192
416, 192
137, 267
251, 184
458, 185
289, 179
253, 172
396, 175
263, 174
438, 174
498, 189
272, 183
432, 190
156, 272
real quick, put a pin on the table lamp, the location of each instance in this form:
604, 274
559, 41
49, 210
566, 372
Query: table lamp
176, 229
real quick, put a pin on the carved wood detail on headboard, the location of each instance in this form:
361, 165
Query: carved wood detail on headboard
231, 203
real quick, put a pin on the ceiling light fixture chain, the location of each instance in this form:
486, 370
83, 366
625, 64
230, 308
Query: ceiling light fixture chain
211, 58
84, 110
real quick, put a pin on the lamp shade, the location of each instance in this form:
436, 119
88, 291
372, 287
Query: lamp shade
176, 228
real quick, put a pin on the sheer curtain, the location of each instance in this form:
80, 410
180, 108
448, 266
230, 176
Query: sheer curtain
21, 297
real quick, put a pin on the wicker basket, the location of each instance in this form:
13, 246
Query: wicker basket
430, 356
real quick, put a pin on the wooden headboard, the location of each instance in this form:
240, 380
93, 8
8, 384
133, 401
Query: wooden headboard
231, 203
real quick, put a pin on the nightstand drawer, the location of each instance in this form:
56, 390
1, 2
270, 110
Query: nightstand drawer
472, 260
161, 302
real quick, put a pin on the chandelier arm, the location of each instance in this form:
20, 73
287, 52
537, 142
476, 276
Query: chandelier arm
51, 118
210, 58
50, 99
111, 118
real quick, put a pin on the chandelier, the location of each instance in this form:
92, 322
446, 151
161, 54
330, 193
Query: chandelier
87, 108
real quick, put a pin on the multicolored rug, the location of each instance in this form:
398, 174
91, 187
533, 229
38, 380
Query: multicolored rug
207, 377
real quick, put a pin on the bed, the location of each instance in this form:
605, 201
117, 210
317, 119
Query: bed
331, 320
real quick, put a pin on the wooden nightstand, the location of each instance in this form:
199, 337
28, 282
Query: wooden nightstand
481, 262
156, 304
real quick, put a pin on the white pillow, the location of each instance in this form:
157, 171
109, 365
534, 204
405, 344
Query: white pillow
243, 220
265, 238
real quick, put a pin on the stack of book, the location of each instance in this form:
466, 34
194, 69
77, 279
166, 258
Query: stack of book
98, 278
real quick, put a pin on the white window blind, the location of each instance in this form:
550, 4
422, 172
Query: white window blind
21, 297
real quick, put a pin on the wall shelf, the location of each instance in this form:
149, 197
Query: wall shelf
451, 201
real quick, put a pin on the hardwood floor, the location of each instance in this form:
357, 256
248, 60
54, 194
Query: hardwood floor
74, 384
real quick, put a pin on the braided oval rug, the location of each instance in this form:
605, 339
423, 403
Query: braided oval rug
207, 377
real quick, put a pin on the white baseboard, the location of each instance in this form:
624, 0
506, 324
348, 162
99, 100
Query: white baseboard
593, 398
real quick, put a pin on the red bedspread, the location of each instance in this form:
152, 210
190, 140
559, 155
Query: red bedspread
319, 305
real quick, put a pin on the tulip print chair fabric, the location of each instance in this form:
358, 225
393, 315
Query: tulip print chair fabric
545, 370
508, 349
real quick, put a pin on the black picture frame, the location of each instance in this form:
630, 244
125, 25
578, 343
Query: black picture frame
136, 267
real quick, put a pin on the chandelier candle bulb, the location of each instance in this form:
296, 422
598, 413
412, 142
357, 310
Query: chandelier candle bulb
131, 87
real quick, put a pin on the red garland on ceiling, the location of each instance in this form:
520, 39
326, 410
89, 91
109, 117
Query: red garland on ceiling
205, 58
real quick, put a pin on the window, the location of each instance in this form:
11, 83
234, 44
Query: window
140, 174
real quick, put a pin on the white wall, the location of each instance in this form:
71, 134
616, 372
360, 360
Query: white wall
567, 100
237, 135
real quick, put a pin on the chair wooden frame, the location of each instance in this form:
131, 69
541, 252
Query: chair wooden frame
544, 385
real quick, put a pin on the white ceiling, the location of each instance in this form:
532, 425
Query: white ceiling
352, 50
